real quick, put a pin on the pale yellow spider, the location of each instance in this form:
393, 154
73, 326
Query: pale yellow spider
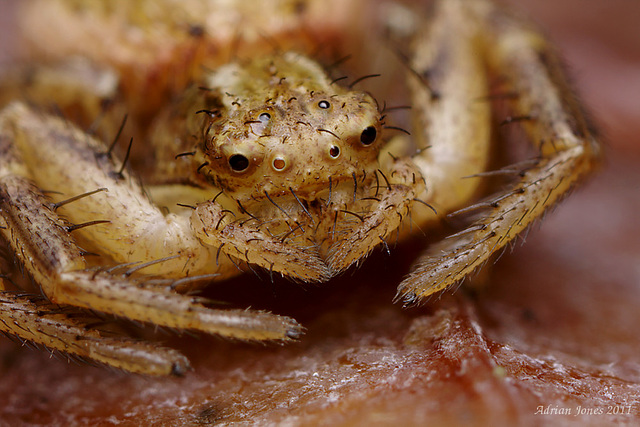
265, 162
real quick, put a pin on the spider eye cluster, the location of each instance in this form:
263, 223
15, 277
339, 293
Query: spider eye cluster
240, 163
299, 140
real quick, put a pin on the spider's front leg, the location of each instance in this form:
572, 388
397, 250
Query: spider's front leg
38, 148
247, 240
393, 196
555, 124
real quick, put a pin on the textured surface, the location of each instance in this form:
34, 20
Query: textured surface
551, 330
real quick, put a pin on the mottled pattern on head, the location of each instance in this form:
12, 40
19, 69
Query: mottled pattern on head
283, 124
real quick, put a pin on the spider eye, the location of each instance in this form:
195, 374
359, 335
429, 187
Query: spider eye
324, 104
334, 151
264, 117
279, 163
368, 135
238, 163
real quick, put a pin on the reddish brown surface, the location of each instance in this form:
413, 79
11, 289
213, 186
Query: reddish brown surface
554, 328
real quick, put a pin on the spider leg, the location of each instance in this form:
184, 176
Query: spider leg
448, 82
556, 125
248, 241
45, 324
43, 244
395, 199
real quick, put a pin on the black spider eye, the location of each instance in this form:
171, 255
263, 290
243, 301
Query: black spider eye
238, 163
368, 135
324, 104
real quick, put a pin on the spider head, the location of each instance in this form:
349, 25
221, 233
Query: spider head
284, 126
